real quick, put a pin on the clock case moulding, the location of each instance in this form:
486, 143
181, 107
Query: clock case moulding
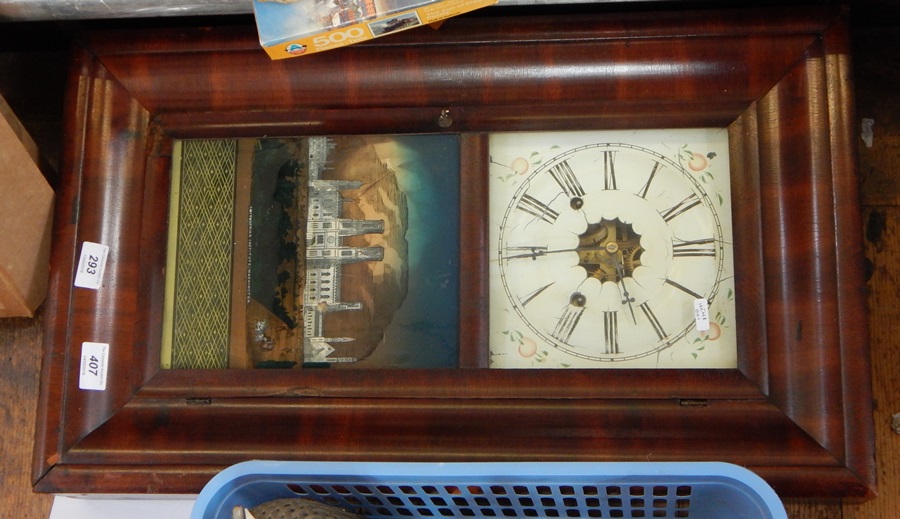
797, 410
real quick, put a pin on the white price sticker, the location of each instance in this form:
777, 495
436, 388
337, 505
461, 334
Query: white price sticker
91, 265
94, 363
701, 314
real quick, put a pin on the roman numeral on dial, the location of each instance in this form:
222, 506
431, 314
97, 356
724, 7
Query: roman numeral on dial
564, 176
684, 289
609, 170
643, 192
611, 332
567, 323
694, 248
654, 322
536, 208
531, 295
685, 205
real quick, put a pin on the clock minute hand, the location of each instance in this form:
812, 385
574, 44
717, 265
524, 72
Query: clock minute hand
535, 252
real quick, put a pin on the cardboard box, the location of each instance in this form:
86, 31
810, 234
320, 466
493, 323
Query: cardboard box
26, 207
289, 28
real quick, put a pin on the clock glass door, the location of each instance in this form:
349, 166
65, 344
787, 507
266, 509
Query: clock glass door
611, 249
318, 252
606, 249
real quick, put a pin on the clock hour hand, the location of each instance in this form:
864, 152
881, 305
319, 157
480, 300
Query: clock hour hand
620, 270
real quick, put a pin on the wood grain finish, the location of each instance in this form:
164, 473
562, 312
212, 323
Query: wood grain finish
20, 340
770, 78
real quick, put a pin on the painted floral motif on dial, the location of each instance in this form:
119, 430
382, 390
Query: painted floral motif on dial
602, 249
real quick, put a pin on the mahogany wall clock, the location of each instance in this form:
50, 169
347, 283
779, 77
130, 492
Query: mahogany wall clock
765, 233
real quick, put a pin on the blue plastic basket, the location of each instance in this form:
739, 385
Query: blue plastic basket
501, 490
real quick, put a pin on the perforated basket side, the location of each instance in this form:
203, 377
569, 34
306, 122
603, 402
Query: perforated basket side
391, 490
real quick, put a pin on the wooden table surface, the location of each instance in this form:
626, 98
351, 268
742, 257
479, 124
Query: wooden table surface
877, 77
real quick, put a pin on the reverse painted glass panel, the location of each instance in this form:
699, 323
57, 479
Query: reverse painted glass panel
313, 252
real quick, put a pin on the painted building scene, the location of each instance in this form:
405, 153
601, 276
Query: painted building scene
342, 242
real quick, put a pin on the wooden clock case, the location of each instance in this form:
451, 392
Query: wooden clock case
797, 410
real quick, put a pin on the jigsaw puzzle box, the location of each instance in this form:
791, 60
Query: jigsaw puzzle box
289, 28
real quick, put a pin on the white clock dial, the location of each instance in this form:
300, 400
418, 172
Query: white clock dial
602, 246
